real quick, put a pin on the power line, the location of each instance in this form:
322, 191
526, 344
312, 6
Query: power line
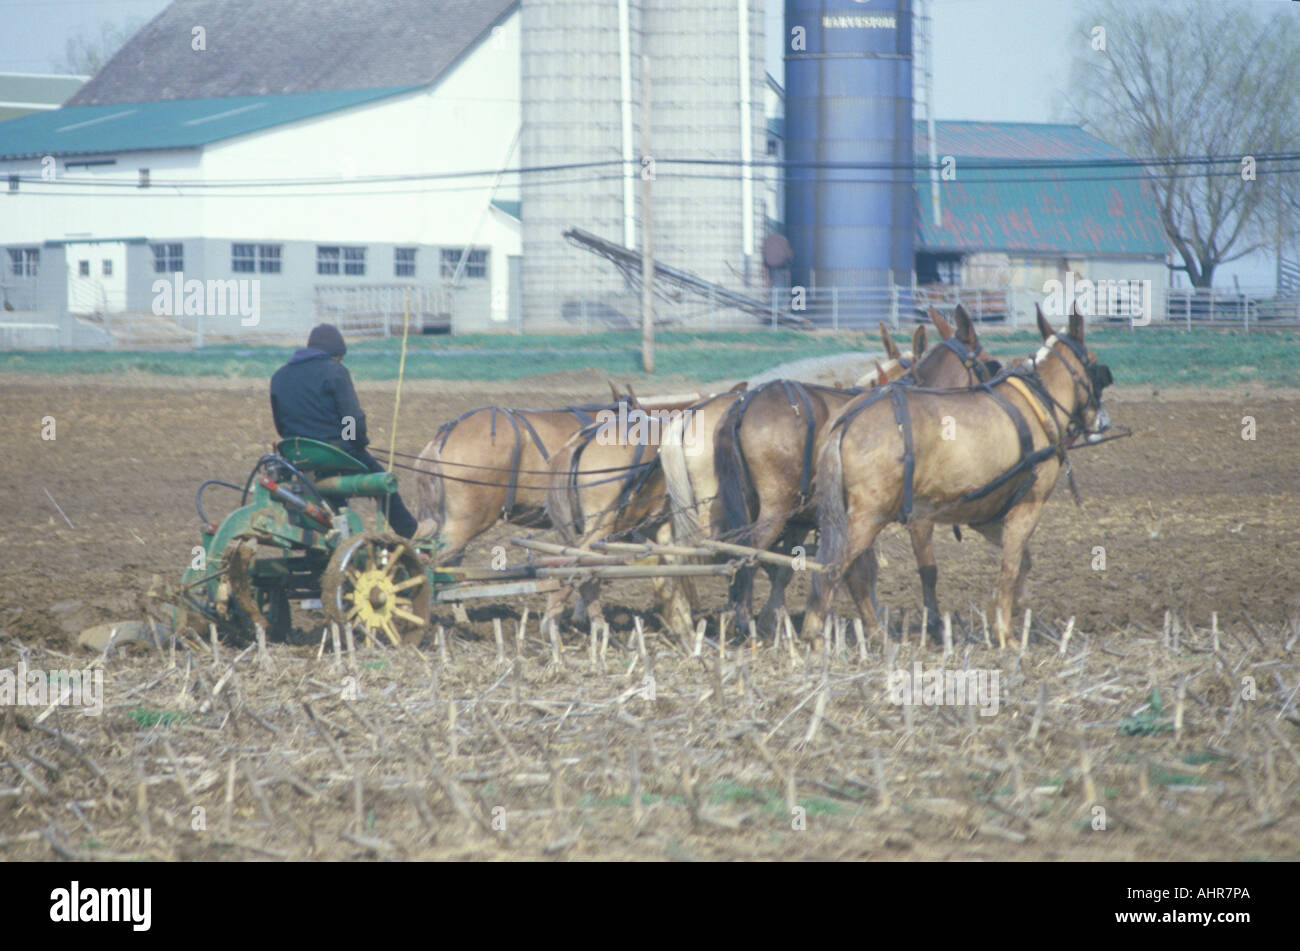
334, 187
1140, 165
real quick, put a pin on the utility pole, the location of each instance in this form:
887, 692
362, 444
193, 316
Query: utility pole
647, 245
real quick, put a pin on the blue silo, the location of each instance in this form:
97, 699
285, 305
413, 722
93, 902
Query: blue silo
848, 99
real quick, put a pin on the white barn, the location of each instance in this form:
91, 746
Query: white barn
327, 147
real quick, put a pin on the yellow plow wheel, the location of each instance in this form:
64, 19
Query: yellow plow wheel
377, 583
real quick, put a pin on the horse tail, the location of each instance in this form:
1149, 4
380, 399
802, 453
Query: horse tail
677, 477
563, 507
430, 493
832, 514
735, 486
682, 503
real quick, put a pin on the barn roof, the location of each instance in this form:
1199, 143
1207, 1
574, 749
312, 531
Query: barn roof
1094, 208
170, 124
290, 46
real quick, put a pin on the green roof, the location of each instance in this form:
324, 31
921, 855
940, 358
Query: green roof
1077, 202
169, 124
509, 206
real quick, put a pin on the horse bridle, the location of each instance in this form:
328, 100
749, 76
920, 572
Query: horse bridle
1098, 378
981, 370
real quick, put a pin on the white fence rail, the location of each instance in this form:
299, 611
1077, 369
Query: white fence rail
377, 310
381, 308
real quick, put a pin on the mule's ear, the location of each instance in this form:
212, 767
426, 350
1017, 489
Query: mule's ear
614, 391
965, 328
632, 400
941, 325
1044, 327
1076, 323
891, 348
918, 341
880, 379
740, 387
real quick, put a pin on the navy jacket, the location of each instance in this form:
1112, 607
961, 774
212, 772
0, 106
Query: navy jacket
311, 395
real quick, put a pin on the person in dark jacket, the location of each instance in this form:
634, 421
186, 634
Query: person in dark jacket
312, 396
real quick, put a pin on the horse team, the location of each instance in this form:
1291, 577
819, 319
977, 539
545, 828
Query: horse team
939, 435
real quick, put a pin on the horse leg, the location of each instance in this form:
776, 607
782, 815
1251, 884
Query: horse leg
555, 602
861, 576
1016, 529
1022, 580
922, 534
589, 599
452, 556
763, 533
779, 576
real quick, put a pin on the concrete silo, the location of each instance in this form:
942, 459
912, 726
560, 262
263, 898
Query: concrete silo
581, 75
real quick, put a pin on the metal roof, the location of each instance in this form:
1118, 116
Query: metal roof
170, 124
1078, 210
290, 46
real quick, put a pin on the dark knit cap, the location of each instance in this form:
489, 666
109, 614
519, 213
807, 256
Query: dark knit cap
327, 337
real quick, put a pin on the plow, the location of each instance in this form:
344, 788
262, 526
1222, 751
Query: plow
298, 537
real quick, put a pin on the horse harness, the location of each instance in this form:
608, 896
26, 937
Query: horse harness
969, 358
796, 395
519, 423
1030, 386
635, 477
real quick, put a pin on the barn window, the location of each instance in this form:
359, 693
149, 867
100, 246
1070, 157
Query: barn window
13, 183
243, 258
354, 261
106, 267
475, 263
23, 262
168, 257
268, 258
404, 262
327, 260
83, 269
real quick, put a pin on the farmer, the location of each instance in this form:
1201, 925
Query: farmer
312, 396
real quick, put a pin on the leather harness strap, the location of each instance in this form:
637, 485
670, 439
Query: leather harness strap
1029, 457
904, 421
637, 474
1036, 405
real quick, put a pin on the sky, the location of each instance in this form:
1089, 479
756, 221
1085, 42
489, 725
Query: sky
999, 60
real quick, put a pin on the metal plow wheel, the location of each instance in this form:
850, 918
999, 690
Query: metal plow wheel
376, 582
249, 595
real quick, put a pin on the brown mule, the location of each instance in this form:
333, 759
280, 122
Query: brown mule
490, 464
888, 458
765, 459
606, 480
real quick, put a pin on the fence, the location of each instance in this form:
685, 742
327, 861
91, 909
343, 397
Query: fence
377, 310
381, 308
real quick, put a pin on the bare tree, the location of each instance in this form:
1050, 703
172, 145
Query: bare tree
87, 51
1185, 83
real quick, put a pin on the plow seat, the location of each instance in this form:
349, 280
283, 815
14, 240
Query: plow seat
335, 473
